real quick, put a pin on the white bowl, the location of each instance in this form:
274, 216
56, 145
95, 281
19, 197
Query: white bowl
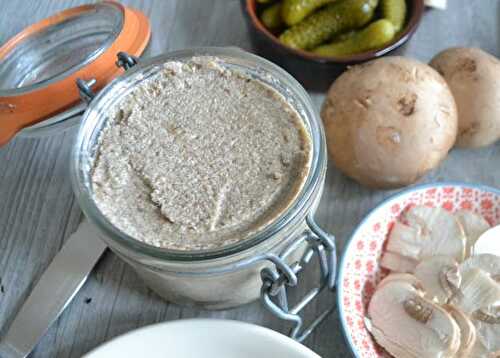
202, 338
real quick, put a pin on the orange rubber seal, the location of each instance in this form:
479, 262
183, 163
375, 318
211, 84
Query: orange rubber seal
22, 110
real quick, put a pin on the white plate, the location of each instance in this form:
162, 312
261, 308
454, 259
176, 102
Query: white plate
202, 338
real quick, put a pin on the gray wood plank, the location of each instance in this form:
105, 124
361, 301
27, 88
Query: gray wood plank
38, 211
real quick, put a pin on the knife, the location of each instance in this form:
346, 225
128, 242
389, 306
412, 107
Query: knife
54, 291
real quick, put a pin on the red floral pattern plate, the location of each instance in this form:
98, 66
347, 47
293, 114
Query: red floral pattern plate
360, 272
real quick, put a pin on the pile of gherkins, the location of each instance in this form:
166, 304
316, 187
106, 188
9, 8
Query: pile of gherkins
336, 28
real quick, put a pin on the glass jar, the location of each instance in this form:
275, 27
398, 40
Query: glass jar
263, 265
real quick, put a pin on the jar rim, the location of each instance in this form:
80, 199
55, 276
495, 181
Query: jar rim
73, 26
80, 169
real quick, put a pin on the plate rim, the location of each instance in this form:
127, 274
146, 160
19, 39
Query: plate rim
248, 327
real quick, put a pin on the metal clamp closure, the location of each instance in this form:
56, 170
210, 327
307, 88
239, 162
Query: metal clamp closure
85, 88
126, 61
276, 280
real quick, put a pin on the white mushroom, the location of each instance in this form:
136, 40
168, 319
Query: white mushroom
488, 336
433, 273
389, 121
392, 347
467, 331
397, 263
477, 291
406, 240
408, 325
474, 226
487, 323
488, 243
402, 277
403, 246
446, 235
480, 351
473, 76
485, 262
396, 349
435, 304
479, 297
429, 232
490, 314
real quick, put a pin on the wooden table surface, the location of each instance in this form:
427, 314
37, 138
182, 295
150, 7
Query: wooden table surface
38, 210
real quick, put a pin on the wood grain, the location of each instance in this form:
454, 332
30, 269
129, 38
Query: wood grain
38, 210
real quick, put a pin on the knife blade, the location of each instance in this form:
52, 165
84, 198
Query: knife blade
56, 288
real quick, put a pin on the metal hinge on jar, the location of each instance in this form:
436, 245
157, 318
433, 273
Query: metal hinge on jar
85, 88
276, 281
124, 60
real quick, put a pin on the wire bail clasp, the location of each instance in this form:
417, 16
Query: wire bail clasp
277, 280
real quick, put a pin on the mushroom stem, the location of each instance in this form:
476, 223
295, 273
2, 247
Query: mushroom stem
450, 279
415, 308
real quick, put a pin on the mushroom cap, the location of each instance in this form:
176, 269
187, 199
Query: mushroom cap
431, 272
474, 226
473, 76
402, 277
405, 240
394, 348
397, 263
446, 235
479, 298
467, 331
477, 291
401, 315
389, 121
488, 336
486, 262
479, 350
488, 242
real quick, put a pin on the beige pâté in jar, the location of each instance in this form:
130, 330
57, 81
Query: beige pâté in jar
199, 157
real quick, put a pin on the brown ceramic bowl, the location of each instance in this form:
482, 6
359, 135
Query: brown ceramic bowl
313, 71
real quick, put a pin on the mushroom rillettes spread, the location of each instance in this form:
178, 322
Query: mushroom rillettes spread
199, 156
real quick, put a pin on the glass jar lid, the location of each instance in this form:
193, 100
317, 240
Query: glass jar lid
40, 65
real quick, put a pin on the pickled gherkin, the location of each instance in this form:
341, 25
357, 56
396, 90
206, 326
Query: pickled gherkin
375, 35
294, 11
395, 12
344, 36
334, 19
271, 16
